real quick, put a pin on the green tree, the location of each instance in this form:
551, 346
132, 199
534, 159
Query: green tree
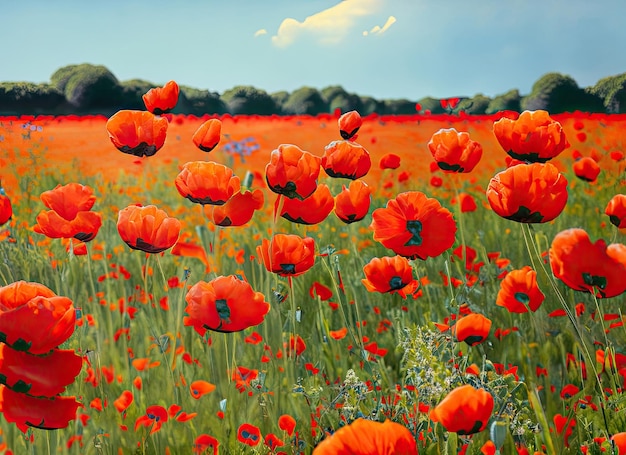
337, 97
370, 105
280, 98
18, 98
132, 93
200, 102
248, 100
612, 91
305, 100
89, 88
432, 105
474, 106
400, 107
509, 101
556, 93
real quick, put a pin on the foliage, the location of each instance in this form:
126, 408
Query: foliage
15, 97
612, 91
248, 100
509, 101
88, 88
474, 106
200, 102
556, 93
305, 100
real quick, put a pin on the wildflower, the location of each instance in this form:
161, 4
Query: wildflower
154, 418
138, 133
287, 254
238, 210
6, 210
353, 203
200, 388
292, 172
312, 210
528, 193
249, 434
454, 151
147, 228
414, 226
44, 413
390, 161
224, 304
287, 424
207, 182
208, 135
161, 100
122, 402
601, 272
533, 137
519, 291
203, 443
389, 274
349, 124
615, 209
346, 160
473, 329
367, 437
586, 169
465, 410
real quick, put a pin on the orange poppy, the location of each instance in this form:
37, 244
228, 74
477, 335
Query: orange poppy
207, 182
208, 135
249, 434
349, 124
454, 151
44, 413
602, 271
206, 445
38, 375
287, 254
200, 388
586, 169
6, 210
33, 318
137, 133
473, 329
414, 226
619, 441
312, 210
368, 437
122, 402
154, 418
344, 159
287, 423
292, 172
389, 161
519, 291
465, 410
161, 100
533, 137
616, 210
353, 203
147, 228
388, 274
70, 213
528, 193
238, 210
224, 304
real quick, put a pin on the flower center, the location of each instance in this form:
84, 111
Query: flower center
415, 228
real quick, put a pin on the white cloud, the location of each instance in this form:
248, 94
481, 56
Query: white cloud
378, 30
329, 26
260, 32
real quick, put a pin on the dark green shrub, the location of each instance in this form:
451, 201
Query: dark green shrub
305, 100
558, 93
612, 91
18, 98
509, 101
248, 100
474, 106
200, 102
89, 88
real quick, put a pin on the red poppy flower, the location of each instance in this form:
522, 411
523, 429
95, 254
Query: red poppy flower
292, 172
200, 388
45, 413
6, 210
519, 291
33, 318
312, 210
367, 437
616, 210
208, 135
473, 329
454, 151
349, 124
161, 100
586, 169
38, 375
69, 215
154, 418
346, 159
465, 410
147, 228
122, 402
238, 210
390, 161
287, 254
533, 137
224, 304
207, 182
602, 271
388, 274
468, 204
287, 423
619, 441
204, 443
249, 434
296, 345
414, 226
528, 193
137, 133
353, 203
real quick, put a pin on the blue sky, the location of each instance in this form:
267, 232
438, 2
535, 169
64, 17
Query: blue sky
381, 48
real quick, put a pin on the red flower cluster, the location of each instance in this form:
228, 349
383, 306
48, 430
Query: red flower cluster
34, 321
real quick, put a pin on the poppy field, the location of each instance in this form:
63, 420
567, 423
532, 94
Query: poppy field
433, 284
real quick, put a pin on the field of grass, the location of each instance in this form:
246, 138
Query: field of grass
329, 351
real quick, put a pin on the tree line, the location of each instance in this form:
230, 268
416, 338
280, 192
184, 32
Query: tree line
93, 89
